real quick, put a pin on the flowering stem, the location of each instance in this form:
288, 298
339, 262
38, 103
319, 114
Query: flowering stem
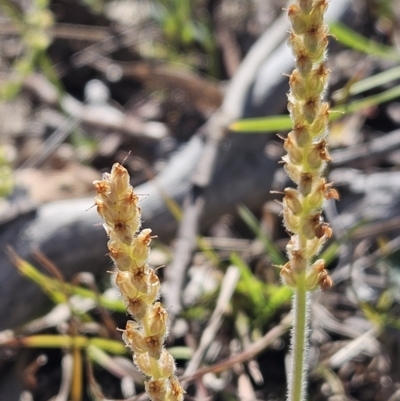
298, 378
306, 158
129, 249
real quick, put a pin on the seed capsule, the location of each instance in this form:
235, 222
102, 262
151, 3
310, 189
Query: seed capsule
306, 182
332, 193
288, 276
323, 230
314, 160
134, 338
297, 85
137, 306
324, 281
157, 389
318, 11
314, 246
313, 275
311, 107
166, 364
295, 42
304, 62
292, 200
318, 126
294, 152
290, 221
314, 37
305, 5
296, 17
141, 247
301, 135
157, 320
176, 390
142, 361
154, 345
318, 79
309, 225
298, 262
317, 195
292, 171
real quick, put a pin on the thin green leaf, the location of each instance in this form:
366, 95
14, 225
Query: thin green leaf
269, 245
67, 341
355, 86
181, 352
253, 286
375, 81
369, 101
111, 346
264, 125
330, 253
393, 322
208, 251
56, 290
279, 295
105, 361
354, 40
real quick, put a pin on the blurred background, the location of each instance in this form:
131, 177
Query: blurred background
189, 95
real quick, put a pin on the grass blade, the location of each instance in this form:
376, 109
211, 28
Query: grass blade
57, 290
355, 41
267, 124
254, 225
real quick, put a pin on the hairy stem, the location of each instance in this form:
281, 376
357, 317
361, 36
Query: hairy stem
299, 339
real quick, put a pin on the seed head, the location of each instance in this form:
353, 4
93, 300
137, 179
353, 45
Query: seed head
118, 205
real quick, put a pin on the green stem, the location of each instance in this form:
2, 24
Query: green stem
298, 378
